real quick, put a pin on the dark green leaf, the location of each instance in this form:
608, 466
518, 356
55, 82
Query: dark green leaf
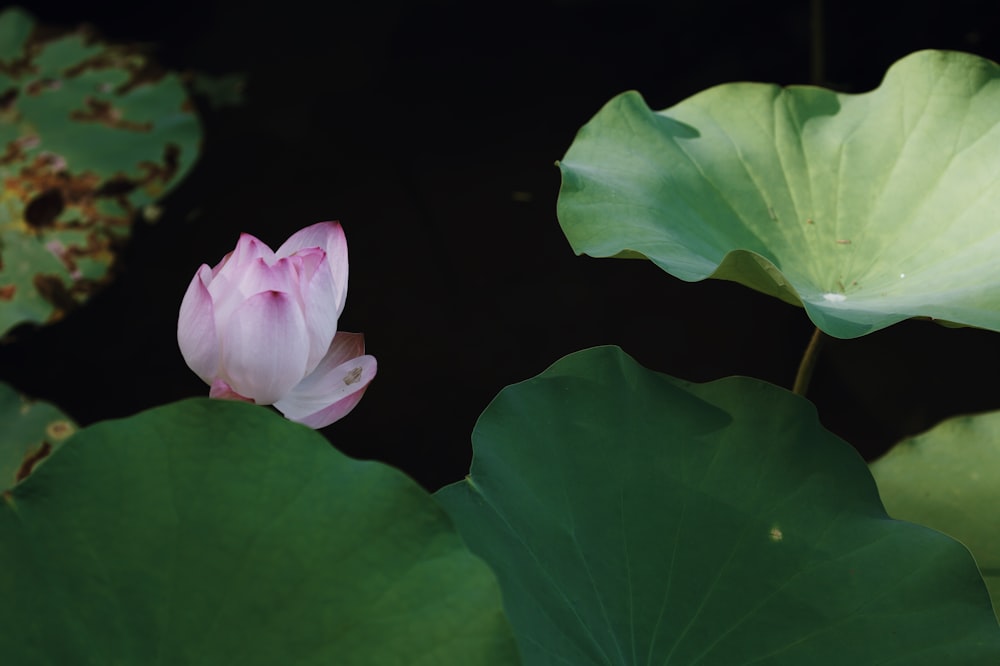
210, 532
636, 519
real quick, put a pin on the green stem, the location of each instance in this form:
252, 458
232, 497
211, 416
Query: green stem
808, 363
816, 46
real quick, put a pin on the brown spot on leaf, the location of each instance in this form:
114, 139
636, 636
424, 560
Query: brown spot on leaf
7, 98
44, 208
105, 113
7, 292
132, 58
14, 152
39, 86
155, 176
353, 377
32, 459
172, 159
115, 187
47, 173
59, 430
52, 289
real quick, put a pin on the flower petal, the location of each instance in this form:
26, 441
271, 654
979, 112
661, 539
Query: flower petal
265, 347
334, 387
248, 249
196, 334
319, 296
329, 237
344, 347
230, 273
332, 413
260, 276
230, 289
310, 260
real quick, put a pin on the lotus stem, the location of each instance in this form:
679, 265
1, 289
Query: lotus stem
808, 363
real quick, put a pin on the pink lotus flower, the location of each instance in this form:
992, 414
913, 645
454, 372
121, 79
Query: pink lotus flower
261, 326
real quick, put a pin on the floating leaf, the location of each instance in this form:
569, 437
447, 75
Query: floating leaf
949, 478
212, 532
867, 209
89, 134
31, 432
637, 519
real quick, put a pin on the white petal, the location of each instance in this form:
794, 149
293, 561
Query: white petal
227, 286
320, 306
196, 334
259, 276
248, 249
230, 289
265, 346
328, 236
331, 413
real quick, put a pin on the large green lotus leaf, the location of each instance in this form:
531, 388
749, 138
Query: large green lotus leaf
89, 133
636, 519
866, 209
949, 478
31, 431
210, 532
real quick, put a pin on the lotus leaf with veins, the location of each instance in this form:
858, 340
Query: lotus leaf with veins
866, 209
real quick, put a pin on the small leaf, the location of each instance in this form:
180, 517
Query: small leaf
866, 209
636, 519
948, 478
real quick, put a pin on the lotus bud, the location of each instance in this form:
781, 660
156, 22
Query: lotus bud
261, 326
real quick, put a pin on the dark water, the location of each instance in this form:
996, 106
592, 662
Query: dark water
430, 131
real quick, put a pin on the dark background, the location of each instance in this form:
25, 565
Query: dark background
430, 130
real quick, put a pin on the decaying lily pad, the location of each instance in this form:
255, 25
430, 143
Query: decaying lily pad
865, 209
32, 431
89, 133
